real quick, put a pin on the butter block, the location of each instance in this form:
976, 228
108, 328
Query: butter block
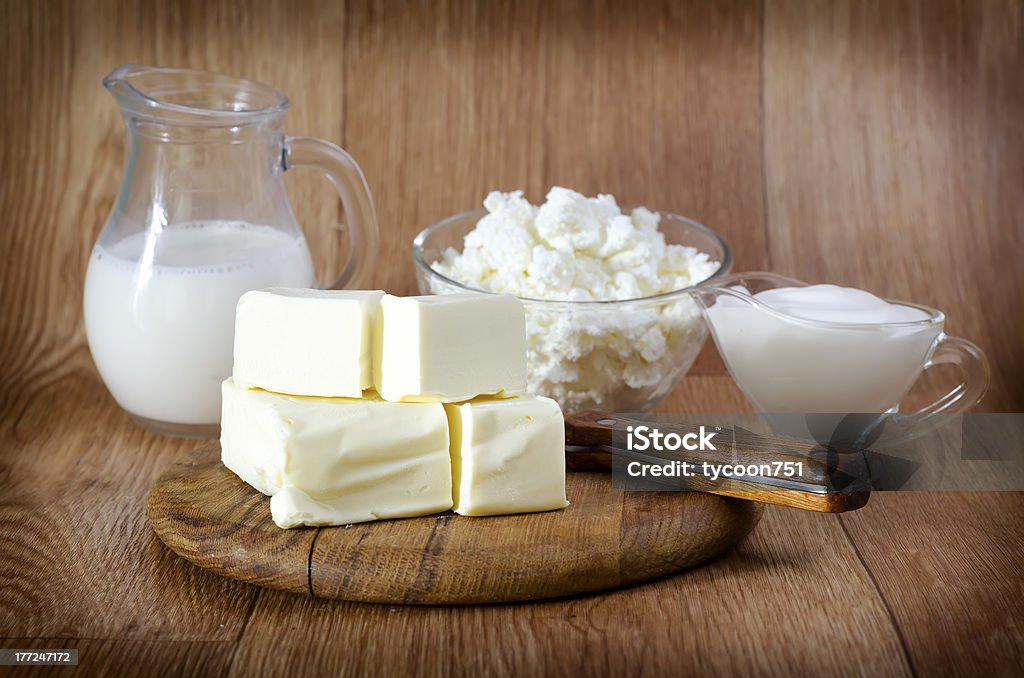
335, 461
305, 342
448, 348
508, 455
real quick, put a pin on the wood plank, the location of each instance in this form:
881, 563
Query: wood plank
78, 557
710, 620
40, 274
894, 159
656, 103
100, 657
950, 572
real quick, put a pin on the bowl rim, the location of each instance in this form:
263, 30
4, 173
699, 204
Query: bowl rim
724, 266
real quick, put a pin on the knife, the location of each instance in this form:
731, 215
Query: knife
830, 480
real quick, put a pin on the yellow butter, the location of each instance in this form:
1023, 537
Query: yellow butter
305, 342
508, 455
335, 461
449, 348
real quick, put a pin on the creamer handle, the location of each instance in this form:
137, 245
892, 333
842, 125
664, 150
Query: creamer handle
975, 379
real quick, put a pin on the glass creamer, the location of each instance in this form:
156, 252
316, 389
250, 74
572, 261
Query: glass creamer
800, 350
202, 216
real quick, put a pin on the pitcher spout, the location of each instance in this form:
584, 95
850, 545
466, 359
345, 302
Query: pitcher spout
117, 82
188, 97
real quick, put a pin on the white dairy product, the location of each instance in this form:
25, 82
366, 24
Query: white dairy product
508, 455
305, 342
835, 304
335, 461
159, 311
822, 348
449, 348
574, 248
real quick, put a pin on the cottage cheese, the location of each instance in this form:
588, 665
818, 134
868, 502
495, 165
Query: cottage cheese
574, 248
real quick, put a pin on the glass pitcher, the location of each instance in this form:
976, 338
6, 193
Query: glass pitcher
788, 365
202, 216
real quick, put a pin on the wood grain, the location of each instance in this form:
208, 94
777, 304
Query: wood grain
142, 658
74, 537
956, 565
610, 97
711, 620
873, 143
894, 158
203, 512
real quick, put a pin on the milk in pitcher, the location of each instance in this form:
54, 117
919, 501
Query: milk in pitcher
160, 312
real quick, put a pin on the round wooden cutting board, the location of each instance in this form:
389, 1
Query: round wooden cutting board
604, 540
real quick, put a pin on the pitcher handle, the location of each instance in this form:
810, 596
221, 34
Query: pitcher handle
351, 185
974, 369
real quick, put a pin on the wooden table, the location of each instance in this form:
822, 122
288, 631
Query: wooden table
876, 144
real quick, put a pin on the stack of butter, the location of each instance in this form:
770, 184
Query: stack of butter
351, 406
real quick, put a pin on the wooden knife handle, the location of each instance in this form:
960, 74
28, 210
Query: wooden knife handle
831, 481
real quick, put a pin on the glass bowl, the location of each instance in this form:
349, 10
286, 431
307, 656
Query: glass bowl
616, 356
